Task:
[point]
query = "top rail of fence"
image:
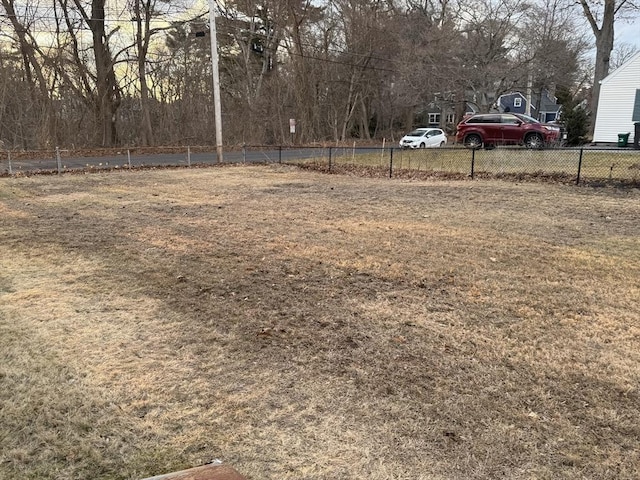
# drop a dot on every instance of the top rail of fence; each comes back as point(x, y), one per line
point(592, 162)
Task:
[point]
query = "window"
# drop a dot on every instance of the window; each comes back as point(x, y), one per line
point(635, 117)
point(434, 118)
point(517, 102)
point(451, 117)
point(484, 119)
point(510, 119)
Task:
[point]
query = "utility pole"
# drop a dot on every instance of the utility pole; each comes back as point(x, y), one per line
point(216, 79)
point(529, 97)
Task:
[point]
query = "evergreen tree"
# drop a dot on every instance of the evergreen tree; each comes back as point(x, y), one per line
point(574, 117)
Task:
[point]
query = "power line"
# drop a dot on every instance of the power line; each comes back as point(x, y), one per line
point(328, 49)
point(107, 20)
point(229, 30)
point(339, 62)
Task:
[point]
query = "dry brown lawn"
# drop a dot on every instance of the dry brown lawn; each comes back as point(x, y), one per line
point(305, 326)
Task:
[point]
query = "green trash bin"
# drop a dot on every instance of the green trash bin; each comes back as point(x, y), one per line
point(623, 139)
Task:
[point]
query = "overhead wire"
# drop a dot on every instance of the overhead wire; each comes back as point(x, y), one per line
point(230, 30)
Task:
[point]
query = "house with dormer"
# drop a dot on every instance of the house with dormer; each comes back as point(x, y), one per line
point(443, 115)
point(544, 106)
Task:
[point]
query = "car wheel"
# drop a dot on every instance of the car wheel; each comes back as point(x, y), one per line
point(473, 141)
point(442, 144)
point(534, 141)
point(422, 145)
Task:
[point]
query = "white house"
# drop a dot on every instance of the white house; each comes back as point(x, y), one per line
point(619, 104)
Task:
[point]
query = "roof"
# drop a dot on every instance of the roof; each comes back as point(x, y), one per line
point(628, 64)
point(548, 103)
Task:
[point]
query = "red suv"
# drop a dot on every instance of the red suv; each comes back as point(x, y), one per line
point(505, 129)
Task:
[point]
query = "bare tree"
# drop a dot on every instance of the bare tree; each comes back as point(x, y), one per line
point(108, 95)
point(16, 103)
point(33, 68)
point(602, 16)
point(341, 68)
point(490, 50)
point(142, 17)
point(368, 35)
point(144, 12)
point(554, 45)
point(250, 35)
point(620, 54)
point(181, 85)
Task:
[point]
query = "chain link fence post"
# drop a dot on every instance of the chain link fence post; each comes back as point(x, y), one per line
point(58, 160)
point(390, 162)
point(330, 148)
point(473, 162)
point(579, 166)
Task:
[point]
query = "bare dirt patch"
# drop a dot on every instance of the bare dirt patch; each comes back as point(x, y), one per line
point(299, 325)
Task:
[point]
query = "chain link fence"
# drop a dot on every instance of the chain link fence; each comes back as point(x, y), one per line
point(579, 165)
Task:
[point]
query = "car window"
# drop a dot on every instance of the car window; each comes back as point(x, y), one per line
point(485, 119)
point(416, 133)
point(527, 118)
point(510, 119)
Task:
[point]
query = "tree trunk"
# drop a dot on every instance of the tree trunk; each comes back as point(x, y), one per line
point(604, 45)
point(108, 93)
point(366, 134)
point(349, 107)
point(39, 91)
point(143, 36)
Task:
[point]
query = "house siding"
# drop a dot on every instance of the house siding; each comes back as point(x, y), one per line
point(507, 103)
point(548, 116)
point(617, 98)
point(544, 108)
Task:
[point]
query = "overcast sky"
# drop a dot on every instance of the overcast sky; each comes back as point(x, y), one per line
point(628, 32)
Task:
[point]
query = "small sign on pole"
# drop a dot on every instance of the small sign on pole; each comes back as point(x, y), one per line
point(292, 128)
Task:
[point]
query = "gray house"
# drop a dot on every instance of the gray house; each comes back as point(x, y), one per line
point(544, 106)
point(438, 115)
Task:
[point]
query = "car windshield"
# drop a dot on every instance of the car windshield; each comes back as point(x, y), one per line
point(527, 118)
point(416, 133)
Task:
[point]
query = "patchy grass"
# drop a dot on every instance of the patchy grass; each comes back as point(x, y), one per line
point(620, 165)
point(299, 325)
